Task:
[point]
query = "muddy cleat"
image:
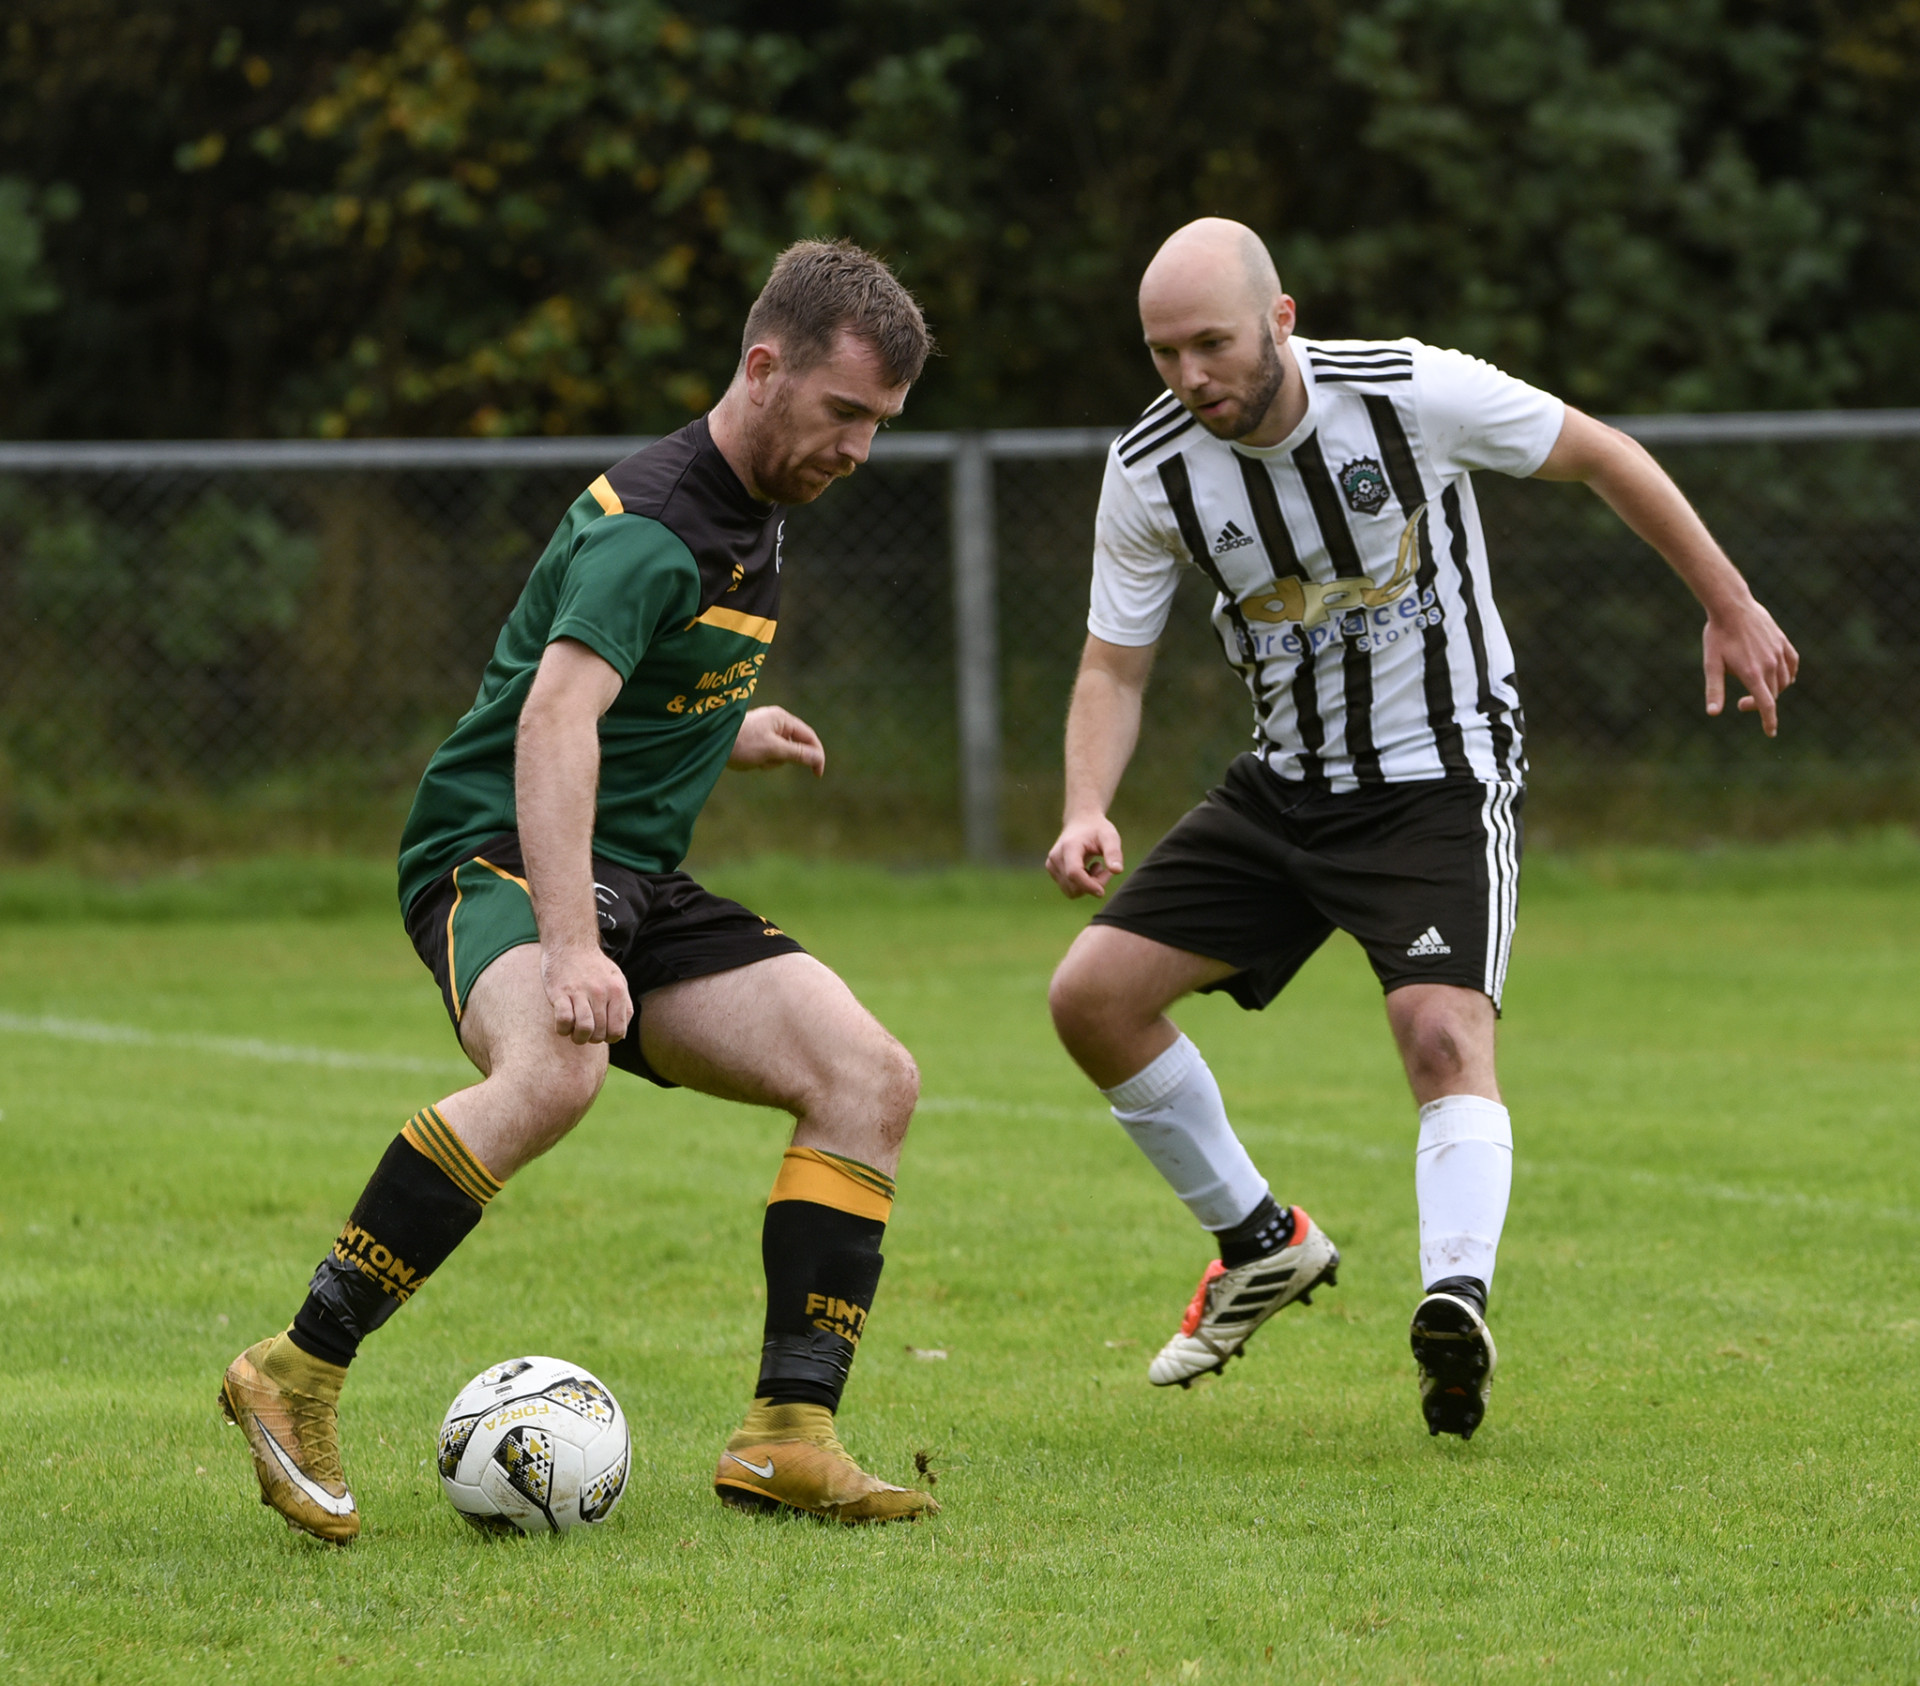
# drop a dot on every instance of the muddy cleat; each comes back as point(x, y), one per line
point(786, 1457)
point(1230, 1304)
point(285, 1401)
point(1454, 1348)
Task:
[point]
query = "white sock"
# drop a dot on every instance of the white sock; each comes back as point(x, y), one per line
point(1174, 1113)
point(1462, 1174)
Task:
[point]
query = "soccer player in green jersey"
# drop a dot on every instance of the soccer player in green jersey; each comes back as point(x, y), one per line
point(539, 878)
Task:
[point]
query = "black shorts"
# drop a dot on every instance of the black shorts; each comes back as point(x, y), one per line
point(1424, 876)
point(657, 927)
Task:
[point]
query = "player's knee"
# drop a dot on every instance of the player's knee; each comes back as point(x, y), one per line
point(1080, 1006)
point(881, 1082)
point(1435, 1050)
point(896, 1088)
point(558, 1097)
point(581, 1089)
point(876, 1081)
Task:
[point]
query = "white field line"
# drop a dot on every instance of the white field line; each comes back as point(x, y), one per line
point(232, 1047)
point(1090, 1114)
point(1668, 1182)
point(341, 1059)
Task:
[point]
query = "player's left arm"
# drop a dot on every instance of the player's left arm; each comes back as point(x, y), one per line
point(1740, 638)
point(771, 737)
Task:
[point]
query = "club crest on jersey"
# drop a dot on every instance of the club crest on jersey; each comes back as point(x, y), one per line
point(1365, 483)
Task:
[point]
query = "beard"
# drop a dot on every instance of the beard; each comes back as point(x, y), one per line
point(1249, 411)
point(776, 476)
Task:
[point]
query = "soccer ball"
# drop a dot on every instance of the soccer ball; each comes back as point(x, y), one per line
point(534, 1446)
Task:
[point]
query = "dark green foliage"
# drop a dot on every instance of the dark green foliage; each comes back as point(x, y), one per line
point(151, 647)
point(400, 216)
point(25, 289)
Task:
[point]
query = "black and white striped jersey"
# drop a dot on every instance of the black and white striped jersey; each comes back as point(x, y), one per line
point(1350, 569)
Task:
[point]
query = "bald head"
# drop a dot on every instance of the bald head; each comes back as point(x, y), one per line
point(1211, 267)
point(1216, 323)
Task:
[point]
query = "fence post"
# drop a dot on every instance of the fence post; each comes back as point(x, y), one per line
point(976, 640)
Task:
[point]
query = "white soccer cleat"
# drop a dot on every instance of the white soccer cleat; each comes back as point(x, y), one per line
point(1230, 1304)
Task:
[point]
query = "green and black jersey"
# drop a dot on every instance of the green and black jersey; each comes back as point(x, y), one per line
point(670, 571)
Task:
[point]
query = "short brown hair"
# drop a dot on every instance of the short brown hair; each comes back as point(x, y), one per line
point(819, 288)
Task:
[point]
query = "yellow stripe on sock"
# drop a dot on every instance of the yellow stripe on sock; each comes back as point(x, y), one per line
point(826, 1179)
point(430, 1134)
point(878, 1181)
point(420, 1137)
point(423, 1139)
point(480, 1175)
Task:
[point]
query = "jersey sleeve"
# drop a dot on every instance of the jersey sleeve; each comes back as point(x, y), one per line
point(629, 580)
point(1475, 416)
point(1136, 566)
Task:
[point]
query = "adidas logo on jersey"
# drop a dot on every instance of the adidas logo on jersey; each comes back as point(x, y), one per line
point(1231, 538)
point(1428, 944)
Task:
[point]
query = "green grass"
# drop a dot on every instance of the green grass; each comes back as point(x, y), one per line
point(1700, 1464)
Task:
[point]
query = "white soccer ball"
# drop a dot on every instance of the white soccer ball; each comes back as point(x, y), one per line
point(534, 1446)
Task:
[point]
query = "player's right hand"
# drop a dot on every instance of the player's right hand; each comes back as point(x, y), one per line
point(1747, 642)
point(588, 993)
point(1087, 857)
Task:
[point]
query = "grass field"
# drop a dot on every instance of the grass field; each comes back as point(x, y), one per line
point(1700, 1464)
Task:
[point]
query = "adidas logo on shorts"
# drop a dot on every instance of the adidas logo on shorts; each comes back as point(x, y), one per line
point(1230, 538)
point(1427, 944)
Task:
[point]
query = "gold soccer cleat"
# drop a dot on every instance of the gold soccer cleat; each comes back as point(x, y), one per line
point(787, 1457)
point(285, 1402)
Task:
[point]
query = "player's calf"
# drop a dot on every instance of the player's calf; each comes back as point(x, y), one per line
point(1463, 1171)
point(821, 1247)
point(424, 1198)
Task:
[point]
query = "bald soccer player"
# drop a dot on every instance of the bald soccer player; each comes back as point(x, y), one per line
point(1323, 487)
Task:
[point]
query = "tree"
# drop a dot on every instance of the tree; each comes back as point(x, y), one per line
point(550, 217)
point(174, 315)
point(536, 215)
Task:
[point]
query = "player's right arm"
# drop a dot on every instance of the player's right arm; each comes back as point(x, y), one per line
point(1740, 636)
point(1103, 725)
point(556, 779)
point(628, 581)
point(1136, 562)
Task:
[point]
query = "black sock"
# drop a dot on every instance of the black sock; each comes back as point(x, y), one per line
point(1266, 1229)
point(1468, 1288)
point(823, 1265)
point(426, 1195)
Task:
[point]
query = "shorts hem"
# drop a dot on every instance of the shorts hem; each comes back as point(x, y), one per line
point(480, 971)
point(657, 928)
point(1144, 928)
point(1477, 985)
point(775, 948)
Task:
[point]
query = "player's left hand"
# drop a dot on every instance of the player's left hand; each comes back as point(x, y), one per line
point(1748, 643)
point(771, 737)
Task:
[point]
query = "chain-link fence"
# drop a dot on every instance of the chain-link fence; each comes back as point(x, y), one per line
point(218, 647)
